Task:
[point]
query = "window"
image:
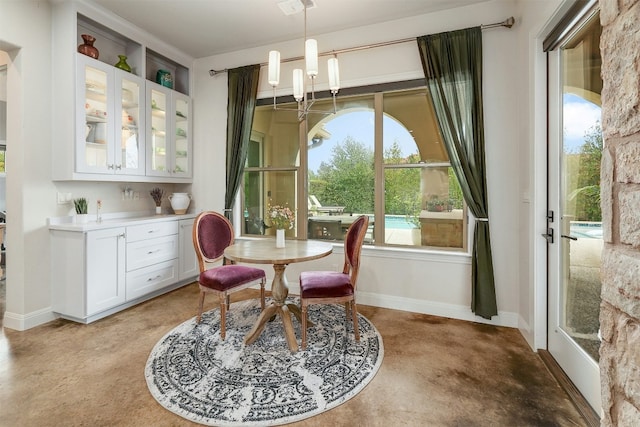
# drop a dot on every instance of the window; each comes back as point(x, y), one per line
point(381, 155)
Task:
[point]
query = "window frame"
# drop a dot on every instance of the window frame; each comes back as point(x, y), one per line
point(377, 91)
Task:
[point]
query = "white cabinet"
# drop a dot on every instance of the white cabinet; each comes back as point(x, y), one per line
point(99, 128)
point(110, 124)
point(188, 262)
point(152, 257)
point(104, 269)
point(169, 132)
point(89, 271)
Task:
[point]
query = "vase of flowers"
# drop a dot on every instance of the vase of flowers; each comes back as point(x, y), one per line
point(156, 195)
point(282, 218)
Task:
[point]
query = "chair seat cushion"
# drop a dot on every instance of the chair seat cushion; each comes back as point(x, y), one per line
point(325, 284)
point(227, 277)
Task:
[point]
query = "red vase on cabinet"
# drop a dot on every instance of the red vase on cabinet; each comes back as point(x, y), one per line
point(87, 47)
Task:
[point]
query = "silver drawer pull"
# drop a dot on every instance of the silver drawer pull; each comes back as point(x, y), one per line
point(152, 231)
point(153, 252)
point(151, 279)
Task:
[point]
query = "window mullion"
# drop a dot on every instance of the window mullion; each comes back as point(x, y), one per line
point(302, 182)
point(378, 209)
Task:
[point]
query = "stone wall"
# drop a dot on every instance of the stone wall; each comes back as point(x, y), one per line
point(620, 195)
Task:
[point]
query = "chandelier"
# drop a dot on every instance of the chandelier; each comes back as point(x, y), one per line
point(300, 93)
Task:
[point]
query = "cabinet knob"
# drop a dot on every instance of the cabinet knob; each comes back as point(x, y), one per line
point(109, 166)
point(118, 167)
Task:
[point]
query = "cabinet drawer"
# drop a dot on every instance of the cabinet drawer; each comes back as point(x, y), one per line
point(151, 251)
point(146, 280)
point(148, 231)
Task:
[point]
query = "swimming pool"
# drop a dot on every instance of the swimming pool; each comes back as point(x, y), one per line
point(399, 222)
point(586, 230)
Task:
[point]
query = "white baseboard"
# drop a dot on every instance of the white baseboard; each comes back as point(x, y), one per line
point(453, 311)
point(22, 322)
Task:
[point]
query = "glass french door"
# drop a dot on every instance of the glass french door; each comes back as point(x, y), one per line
point(574, 256)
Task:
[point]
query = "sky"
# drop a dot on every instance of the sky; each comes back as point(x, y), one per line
point(359, 125)
point(579, 116)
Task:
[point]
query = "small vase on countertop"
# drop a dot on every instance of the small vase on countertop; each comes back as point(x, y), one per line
point(82, 218)
point(180, 202)
point(280, 238)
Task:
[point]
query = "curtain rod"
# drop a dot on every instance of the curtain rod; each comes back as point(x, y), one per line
point(506, 23)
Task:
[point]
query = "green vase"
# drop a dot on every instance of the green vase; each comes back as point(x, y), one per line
point(122, 64)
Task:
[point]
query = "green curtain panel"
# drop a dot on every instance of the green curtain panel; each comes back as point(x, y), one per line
point(452, 64)
point(241, 104)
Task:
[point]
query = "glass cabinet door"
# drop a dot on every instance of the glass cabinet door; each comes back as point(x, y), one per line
point(181, 154)
point(129, 144)
point(158, 163)
point(94, 134)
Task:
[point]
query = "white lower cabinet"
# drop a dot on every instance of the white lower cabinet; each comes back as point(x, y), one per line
point(145, 280)
point(89, 271)
point(105, 269)
point(152, 257)
point(102, 271)
point(188, 261)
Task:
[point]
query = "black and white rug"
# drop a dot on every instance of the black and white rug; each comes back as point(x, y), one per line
point(226, 383)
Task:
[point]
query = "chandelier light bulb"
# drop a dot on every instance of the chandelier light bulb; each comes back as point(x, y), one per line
point(311, 57)
point(334, 75)
point(298, 84)
point(274, 68)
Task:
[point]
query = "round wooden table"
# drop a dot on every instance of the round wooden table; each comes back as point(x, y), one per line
point(265, 252)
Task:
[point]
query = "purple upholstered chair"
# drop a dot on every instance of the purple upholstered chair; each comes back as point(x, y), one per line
point(212, 233)
point(330, 287)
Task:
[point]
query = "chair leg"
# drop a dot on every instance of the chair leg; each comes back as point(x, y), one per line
point(223, 315)
point(262, 294)
point(354, 314)
point(200, 307)
point(304, 326)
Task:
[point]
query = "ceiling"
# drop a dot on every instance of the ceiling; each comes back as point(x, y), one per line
point(203, 28)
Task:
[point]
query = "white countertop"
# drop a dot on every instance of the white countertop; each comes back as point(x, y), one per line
point(111, 220)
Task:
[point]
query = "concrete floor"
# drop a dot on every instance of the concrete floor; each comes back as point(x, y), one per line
point(436, 372)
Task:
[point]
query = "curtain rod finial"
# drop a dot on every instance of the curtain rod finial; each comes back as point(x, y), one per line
point(214, 73)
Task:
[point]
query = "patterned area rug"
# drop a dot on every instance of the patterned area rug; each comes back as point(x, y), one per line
point(225, 383)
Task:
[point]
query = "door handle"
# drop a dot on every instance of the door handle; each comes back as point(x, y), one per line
point(568, 237)
point(548, 235)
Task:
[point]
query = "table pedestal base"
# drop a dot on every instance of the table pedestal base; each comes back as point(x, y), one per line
point(284, 311)
point(279, 292)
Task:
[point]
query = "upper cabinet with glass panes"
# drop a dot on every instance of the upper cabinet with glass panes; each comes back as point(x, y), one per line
point(169, 136)
point(111, 128)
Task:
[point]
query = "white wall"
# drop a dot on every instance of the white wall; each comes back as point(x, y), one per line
point(25, 32)
point(404, 279)
point(4, 59)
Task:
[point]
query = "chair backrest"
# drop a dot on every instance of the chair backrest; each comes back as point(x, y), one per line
point(353, 242)
point(212, 233)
